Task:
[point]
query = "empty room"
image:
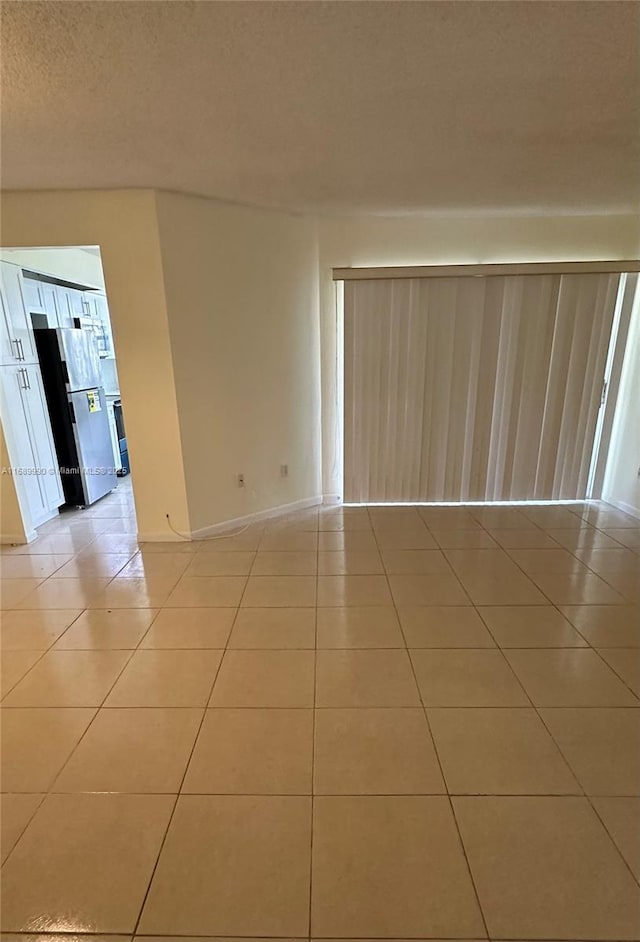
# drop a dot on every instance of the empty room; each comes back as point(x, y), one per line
point(320, 490)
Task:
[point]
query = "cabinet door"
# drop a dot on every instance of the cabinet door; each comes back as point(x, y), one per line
point(65, 317)
point(78, 306)
point(9, 348)
point(32, 293)
point(21, 457)
point(35, 407)
point(100, 313)
point(50, 304)
point(26, 441)
point(20, 331)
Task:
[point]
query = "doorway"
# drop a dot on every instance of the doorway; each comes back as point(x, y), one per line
point(63, 420)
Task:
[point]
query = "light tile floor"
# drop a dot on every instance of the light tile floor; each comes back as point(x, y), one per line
point(394, 723)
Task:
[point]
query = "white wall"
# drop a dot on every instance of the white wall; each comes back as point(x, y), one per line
point(621, 485)
point(439, 239)
point(219, 313)
point(68, 264)
point(242, 298)
point(124, 225)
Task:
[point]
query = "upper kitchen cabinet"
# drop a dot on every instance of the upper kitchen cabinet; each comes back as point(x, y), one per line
point(17, 340)
point(66, 306)
point(50, 299)
point(78, 305)
point(50, 303)
point(32, 294)
point(98, 314)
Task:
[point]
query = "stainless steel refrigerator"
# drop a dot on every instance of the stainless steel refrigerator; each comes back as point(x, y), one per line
point(72, 380)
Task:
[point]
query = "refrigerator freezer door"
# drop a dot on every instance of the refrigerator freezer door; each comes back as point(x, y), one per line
point(93, 442)
point(78, 350)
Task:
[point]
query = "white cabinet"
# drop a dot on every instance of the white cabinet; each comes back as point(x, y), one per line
point(32, 294)
point(30, 441)
point(50, 304)
point(78, 306)
point(17, 340)
point(39, 425)
point(63, 306)
point(9, 346)
point(98, 313)
point(44, 297)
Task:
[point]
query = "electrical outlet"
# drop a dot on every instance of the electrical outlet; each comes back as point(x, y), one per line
point(241, 480)
point(284, 470)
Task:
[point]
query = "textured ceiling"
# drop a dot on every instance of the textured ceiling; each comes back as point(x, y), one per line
point(377, 107)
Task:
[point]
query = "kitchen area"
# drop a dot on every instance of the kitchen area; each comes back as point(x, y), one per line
point(64, 439)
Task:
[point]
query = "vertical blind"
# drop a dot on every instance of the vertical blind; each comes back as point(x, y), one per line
point(466, 389)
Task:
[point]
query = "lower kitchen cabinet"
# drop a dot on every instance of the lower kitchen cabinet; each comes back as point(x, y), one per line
point(30, 441)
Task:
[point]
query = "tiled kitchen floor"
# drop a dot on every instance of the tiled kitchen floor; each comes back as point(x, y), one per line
point(387, 723)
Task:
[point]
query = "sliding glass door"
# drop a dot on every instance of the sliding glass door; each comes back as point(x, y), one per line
point(474, 389)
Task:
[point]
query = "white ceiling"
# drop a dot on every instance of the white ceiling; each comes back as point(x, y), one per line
point(383, 107)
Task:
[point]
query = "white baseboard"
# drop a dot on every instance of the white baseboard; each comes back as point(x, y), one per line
point(237, 522)
point(167, 536)
point(624, 506)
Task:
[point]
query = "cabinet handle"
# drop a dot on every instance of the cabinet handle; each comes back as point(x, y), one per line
point(17, 343)
point(26, 379)
point(23, 384)
point(21, 348)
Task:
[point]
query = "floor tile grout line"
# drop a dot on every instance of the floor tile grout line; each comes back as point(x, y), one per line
point(134, 930)
point(561, 752)
point(556, 606)
point(610, 835)
point(307, 794)
point(182, 781)
point(611, 668)
point(592, 527)
point(226, 648)
point(504, 657)
point(432, 706)
point(100, 706)
point(313, 739)
point(361, 647)
point(290, 938)
point(96, 710)
point(43, 796)
point(438, 760)
point(470, 604)
point(536, 708)
point(5, 693)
